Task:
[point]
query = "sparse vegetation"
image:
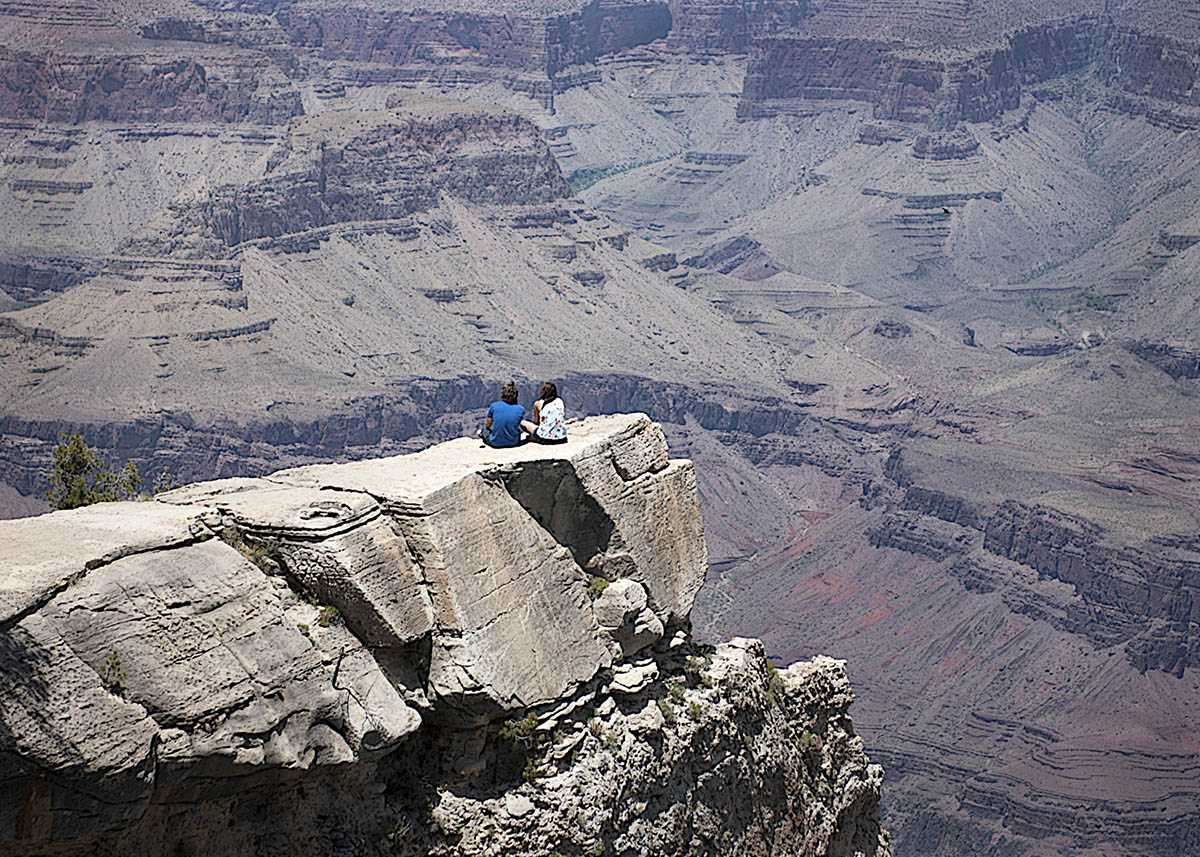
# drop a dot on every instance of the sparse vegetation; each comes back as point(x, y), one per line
point(327, 616)
point(519, 733)
point(530, 772)
point(80, 477)
point(164, 481)
point(523, 735)
point(667, 709)
point(596, 585)
point(1095, 301)
point(774, 683)
point(112, 674)
point(258, 555)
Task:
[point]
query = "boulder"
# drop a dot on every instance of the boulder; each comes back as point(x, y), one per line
point(622, 612)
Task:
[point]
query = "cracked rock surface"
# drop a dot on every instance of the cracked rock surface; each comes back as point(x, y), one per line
point(460, 651)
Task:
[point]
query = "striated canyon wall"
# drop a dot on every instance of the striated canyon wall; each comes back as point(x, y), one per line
point(456, 652)
point(911, 85)
point(544, 44)
point(144, 86)
point(703, 27)
point(384, 166)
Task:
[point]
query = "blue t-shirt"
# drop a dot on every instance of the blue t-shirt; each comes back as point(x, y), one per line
point(506, 423)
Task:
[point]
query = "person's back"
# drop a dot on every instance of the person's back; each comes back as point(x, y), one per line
point(552, 420)
point(549, 417)
point(506, 423)
point(503, 425)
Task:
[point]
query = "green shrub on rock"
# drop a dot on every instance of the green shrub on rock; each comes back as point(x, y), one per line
point(80, 477)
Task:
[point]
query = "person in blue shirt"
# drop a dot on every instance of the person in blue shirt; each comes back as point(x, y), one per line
point(503, 426)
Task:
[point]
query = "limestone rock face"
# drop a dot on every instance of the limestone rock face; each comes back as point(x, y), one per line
point(227, 665)
point(669, 770)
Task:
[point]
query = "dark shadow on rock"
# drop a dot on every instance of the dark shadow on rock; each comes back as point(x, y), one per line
point(553, 495)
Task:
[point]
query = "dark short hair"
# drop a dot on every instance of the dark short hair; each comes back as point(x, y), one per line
point(509, 393)
point(549, 392)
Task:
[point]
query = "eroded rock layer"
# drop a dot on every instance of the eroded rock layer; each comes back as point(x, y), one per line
point(380, 652)
point(945, 87)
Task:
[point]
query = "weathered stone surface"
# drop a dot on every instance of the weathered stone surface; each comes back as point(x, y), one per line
point(38, 564)
point(155, 668)
point(621, 611)
point(176, 663)
point(335, 544)
point(655, 773)
point(634, 677)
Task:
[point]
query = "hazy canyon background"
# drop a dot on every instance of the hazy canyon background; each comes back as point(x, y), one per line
point(914, 283)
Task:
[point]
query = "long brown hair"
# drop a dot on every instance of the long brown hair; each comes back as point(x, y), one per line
point(549, 392)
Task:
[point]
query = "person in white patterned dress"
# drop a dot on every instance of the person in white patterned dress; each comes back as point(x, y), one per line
point(549, 424)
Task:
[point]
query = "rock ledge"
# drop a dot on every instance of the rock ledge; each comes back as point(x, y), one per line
point(398, 645)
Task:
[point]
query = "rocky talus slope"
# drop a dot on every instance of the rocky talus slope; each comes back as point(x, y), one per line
point(462, 651)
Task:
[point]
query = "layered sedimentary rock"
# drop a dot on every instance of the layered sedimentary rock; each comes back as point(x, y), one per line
point(144, 85)
point(340, 646)
point(727, 26)
point(545, 44)
point(380, 167)
point(914, 85)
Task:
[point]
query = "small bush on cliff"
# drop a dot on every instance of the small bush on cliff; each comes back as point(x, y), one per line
point(774, 683)
point(80, 477)
point(596, 585)
point(521, 733)
point(112, 674)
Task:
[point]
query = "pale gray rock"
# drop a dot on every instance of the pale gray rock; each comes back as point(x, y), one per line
point(622, 612)
point(44, 555)
point(633, 678)
point(649, 720)
point(173, 664)
point(517, 805)
point(399, 656)
point(335, 544)
point(516, 533)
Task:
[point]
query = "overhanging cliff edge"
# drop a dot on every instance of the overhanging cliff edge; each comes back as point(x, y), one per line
point(360, 631)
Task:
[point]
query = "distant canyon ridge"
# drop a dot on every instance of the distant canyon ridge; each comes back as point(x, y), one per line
point(912, 281)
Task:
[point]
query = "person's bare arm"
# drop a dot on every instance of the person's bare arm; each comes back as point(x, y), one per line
point(537, 412)
point(488, 424)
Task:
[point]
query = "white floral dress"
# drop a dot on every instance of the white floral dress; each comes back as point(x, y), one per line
point(552, 421)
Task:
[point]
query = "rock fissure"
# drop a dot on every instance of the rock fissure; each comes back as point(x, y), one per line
point(45, 596)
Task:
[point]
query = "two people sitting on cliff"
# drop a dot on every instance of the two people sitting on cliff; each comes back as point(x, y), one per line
point(506, 425)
